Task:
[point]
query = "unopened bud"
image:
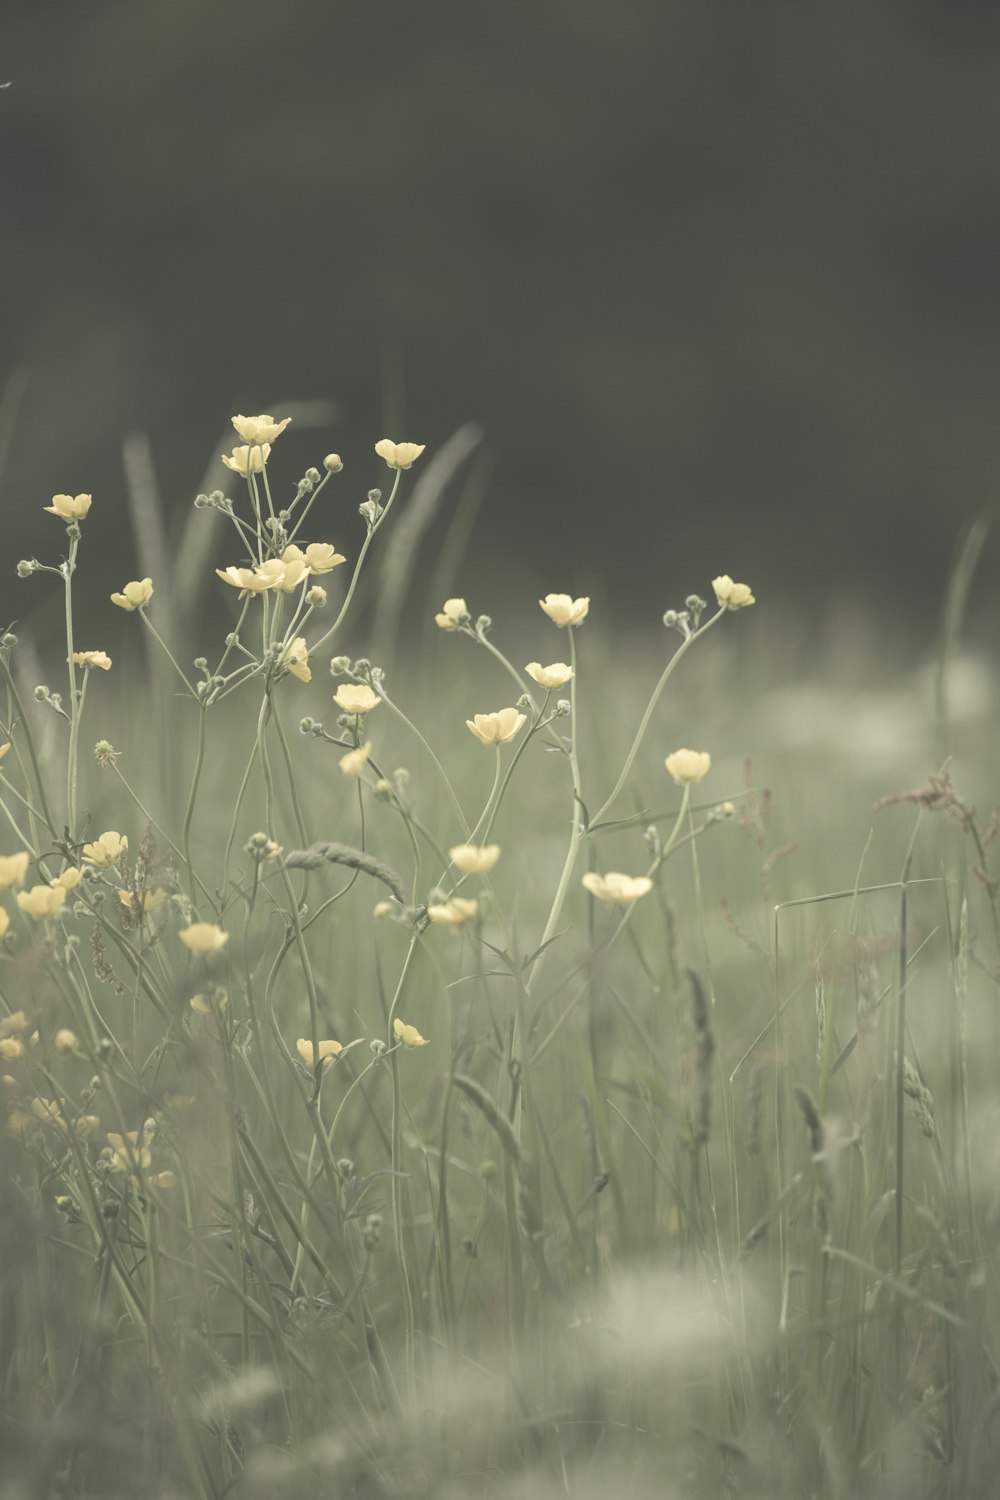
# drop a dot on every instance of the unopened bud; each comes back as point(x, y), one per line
point(333, 463)
point(316, 596)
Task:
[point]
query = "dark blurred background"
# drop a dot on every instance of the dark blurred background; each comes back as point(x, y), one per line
point(720, 282)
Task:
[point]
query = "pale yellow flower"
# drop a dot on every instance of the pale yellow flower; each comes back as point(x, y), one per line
point(69, 507)
point(93, 659)
point(41, 901)
point(13, 868)
point(498, 728)
point(297, 660)
point(293, 571)
point(150, 900)
point(319, 557)
point(48, 1111)
point(329, 1051)
point(85, 1125)
point(356, 698)
point(65, 1040)
point(4, 920)
point(131, 1151)
point(134, 594)
point(408, 1035)
point(355, 760)
point(453, 913)
point(11, 1048)
point(259, 430)
point(474, 859)
point(688, 767)
point(204, 937)
point(732, 595)
point(247, 460)
point(202, 1004)
point(616, 888)
point(248, 579)
point(16, 1021)
point(399, 455)
point(107, 850)
point(69, 879)
point(563, 610)
point(451, 613)
point(556, 675)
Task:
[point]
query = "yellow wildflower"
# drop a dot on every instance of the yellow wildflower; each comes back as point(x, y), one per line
point(355, 760)
point(453, 913)
point(688, 767)
point(11, 1048)
point(399, 455)
point(69, 507)
point(41, 901)
point(65, 1040)
point(48, 1112)
point(498, 728)
point(563, 610)
point(13, 868)
point(202, 1004)
point(148, 900)
point(297, 659)
point(408, 1035)
point(554, 676)
point(247, 460)
point(259, 430)
point(329, 1051)
point(16, 1021)
point(732, 595)
point(618, 889)
point(69, 879)
point(204, 937)
point(107, 850)
point(131, 1152)
point(474, 860)
point(134, 594)
point(356, 698)
point(319, 557)
point(93, 659)
point(451, 614)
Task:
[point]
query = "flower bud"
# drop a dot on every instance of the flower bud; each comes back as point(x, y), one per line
point(382, 789)
point(333, 463)
point(316, 596)
point(313, 475)
point(339, 664)
point(41, 694)
point(25, 568)
point(563, 708)
point(670, 618)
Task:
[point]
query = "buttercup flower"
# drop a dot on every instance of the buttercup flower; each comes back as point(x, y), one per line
point(259, 430)
point(202, 1004)
point(355, 760)
point(13, 868)
point(65, 1040)
point(399, 455)
point(131, 1151)
point(297, 660)
point(356, 698)
point(329, 1051)
point(618, 889)
point(474, 860)
point(204, 937)
point(688, 767)
point(11, 1048)
point(133, 595)
point(41, 901)
point(247, 460)
point(93, 659)
point(107, 850)
point(408, 1035)
point(496, 729)
point(319, 557)
point(451, 614)
point(733, 595)
point(69, 507)
point(69, 879)
point(253, 580)
point(453, 913)
point(555, 676)
point(149, 900)
point(562, 610)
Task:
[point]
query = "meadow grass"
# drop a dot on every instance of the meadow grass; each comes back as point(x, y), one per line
point(332, 1168)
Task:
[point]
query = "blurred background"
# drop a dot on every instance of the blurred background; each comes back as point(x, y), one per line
point(718, 284)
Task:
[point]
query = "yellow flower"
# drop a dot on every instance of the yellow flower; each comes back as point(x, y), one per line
point(202, 1004)
point(13, 868)
point(293, 571)
point(134, 595)
point(329, 1051)
point(474, 860)
point(16, 1021)
point(399, 455)
point(131, 1152)
point(451, 614)
point(733, 595)
point(453, 913)
point(319, 557)
point(69, 507)
point(41, 900)
point(204, 937)
point(355, 760)
point(356, 698)
point(618, 889)
point(164, 1179)
point(11, 1048)
point(247, 579)
point(496, 729)
point(247, 460)
point(688, 767)
point(69, 879)
point(408, 1035)
point(297, 660)
point(107, 850)
point(150, 900)
point(563, 610)
point(93, 659)
point(48, 1112)
point(556, 675)
point(65, 1040)
point(4, 920)
point(259, 429)
point(85, 1125)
